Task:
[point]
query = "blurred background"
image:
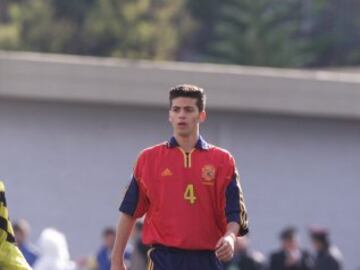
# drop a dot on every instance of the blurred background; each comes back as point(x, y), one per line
point(84, 87)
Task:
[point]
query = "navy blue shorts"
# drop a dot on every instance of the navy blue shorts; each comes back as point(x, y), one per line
point(168, 258)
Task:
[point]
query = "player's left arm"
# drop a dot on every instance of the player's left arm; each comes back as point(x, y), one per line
point(236, 216)
point(235, 208)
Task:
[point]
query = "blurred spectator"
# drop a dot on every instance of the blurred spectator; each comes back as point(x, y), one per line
point(244, 258)
point(290, 256)
point(54, 253)
point(22, 231)
point(327, 257)
point(104, 254)
point(139, 254)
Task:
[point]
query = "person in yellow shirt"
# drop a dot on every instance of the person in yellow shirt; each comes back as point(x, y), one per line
point(11, 257)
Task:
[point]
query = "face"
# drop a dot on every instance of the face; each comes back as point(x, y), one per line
point(185, 117)
point(290, 244)
point(20, 236)
point(109, 240)
point(316, 245)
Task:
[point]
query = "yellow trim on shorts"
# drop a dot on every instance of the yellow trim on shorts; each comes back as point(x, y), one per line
point(150, 263)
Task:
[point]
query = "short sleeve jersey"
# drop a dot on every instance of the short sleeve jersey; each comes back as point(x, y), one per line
point(188, 198)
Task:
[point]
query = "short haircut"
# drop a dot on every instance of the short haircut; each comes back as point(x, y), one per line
point(321, 235)
point(191, 91)
point(288, 233)
point(108, 231)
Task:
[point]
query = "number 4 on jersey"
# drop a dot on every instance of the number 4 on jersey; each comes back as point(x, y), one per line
point(189, 194)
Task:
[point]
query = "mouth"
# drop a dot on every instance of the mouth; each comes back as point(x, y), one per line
point(182, 124)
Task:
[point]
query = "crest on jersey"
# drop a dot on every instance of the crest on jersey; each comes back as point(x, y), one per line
point(208, 173)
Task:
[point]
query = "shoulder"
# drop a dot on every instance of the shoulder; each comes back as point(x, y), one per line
point(276, 254)
point(31, 249)
point(335, 253)
point(222, 156)
point(305, 253)
point(154, 149)
point(102, 252)
point(257, 257)
point(221, 152)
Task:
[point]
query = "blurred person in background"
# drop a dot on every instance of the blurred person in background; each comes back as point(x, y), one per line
point(245, 258)
point(104, 254)
point(22, 232)
point(54, 252)
point(11, 257)
point(139, 254)
point(328, 257)
point(290, 256)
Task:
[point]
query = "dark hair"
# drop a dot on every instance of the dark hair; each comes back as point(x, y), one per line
point(191, 91)
point(288, 233)
point(108, 231)
point(321, 235)
point(16, 227)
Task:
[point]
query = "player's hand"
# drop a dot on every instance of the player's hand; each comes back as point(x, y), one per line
point(224, 249)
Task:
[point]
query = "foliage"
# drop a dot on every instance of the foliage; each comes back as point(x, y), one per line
point(260, 33)
point(282, 33)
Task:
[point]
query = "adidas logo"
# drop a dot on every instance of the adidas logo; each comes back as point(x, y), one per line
point(166, 172)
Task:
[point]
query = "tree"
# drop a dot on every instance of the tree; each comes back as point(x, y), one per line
point(206, 14)
point(334, 32)
point(137, 28)
point(262, 33)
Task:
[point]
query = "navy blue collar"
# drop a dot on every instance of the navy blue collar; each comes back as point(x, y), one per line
point(201, 144)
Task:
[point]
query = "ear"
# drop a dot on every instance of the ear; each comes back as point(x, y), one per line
point(202, 116)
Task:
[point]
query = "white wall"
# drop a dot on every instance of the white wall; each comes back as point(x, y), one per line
point(66, 165)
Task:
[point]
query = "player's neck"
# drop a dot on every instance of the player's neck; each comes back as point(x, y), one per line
point(187, 143)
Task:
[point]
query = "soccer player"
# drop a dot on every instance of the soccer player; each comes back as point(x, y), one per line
point(190, 193)
point(10, 255)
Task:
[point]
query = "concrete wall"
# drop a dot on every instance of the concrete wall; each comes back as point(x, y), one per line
point(66, 165)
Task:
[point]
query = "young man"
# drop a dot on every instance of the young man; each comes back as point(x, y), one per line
point(103, 255)
point(290, 256)
point(190, 193)
point(22, 231)
point(328, 257)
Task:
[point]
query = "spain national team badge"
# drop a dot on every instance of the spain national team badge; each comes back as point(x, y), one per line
point(208, 174)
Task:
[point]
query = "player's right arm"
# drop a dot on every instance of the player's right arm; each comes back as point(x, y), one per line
point(133, 206)
point(124, 228)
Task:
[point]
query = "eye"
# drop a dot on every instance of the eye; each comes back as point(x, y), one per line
point(175, 109)
point(189, 109)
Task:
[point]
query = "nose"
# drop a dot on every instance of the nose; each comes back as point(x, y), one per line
point(182, 114)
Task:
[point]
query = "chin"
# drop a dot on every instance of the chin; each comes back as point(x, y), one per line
point(183, 133)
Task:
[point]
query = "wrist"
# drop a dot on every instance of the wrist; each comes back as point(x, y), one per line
point(117, 260)
point(231, 238)
point(231, 234)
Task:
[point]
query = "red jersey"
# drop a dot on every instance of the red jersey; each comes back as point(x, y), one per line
point(188, 198)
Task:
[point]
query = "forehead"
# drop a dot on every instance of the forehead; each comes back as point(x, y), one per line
point(184, 102)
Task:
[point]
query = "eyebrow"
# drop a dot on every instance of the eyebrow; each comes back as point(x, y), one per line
point(185, 107)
